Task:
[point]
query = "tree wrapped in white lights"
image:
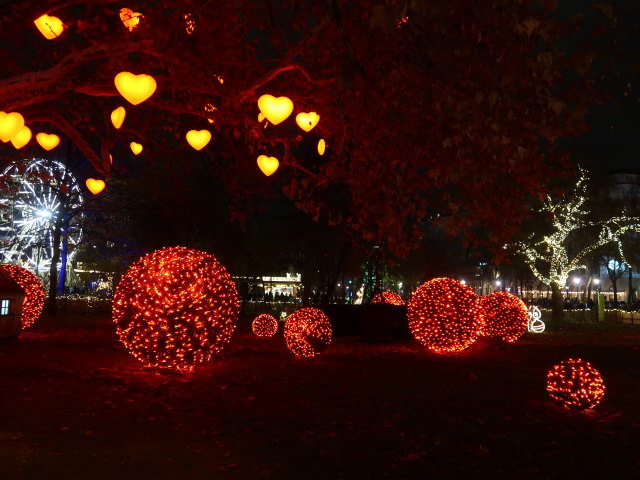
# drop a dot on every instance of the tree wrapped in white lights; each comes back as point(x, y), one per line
point(573, 236)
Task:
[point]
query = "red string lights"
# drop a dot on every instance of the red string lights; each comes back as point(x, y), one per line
point(445, 316)
point(264, 325)
point(575, 384)
point(505, 315)
point(390, 298)
point(307, 332)
point(175, 307)
point(33, 289)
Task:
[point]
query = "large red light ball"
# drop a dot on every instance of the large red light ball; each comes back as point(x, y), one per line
point(307, 332)
point(265, 325)
point(505, 315)
point(390, 298)
point(445, 316)
point(575, 384)
point(33, 289)
point(175, 307)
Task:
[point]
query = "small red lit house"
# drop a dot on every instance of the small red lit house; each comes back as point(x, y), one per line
point(11, 299)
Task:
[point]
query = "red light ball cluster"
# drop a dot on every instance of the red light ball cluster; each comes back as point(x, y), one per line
point(505, 315)
point(390, 298)
point(175, 307)
point(33, 289)
point(445, 316)
point(575, 384)
point(265, 325)
point(307, 332)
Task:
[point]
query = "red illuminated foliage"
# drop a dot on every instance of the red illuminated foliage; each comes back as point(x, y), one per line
point(445, 316)
point(433, 111)
point(575, 384)
point(390, 298)
point(307, 332)
point(34, 290)
point(505, 315)
point(175, 307)
point(264, 325)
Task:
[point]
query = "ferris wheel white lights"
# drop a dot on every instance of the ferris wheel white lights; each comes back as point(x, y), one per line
point(35, 194)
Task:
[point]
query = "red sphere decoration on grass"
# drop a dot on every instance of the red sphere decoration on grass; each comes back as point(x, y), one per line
point(445, 316)
point(265, 325)
point(575, 384)
point(390, 298)
point(307, 332)
point(33, 289)
point(175, 307)
point(505, 315)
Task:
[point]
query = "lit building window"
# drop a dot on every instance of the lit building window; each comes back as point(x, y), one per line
point(4, 307)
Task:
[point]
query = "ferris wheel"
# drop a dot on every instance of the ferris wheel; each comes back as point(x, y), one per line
point(34, 195)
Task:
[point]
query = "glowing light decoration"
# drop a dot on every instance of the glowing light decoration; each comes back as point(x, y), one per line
point(265, 325)
point(21, 138)
point(118, 116)
point(307, 121)
point(10, 124)
point(276, 110)
point(135, 88)
point(95, 186)
point(49, 26)
point(535, 324)
point(33, 289)
point(307, 332)
point(445, 316)
point(551, 258)
point(189, 23)
point(575, 384)
point(505, 316)
point(31, 210)
point(261, 117)
point(48, 141)
point(390, 298)
point(136, 148)
point(322, 146)
point(198, 139)
point(268, 165)
point(176, 308)
point(129, 18)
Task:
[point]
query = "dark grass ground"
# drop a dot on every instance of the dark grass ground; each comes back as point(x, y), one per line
point(75, 405)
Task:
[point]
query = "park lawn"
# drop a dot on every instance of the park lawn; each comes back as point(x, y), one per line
point(75, 405)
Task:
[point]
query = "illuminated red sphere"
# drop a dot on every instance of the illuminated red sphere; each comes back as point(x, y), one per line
point(307, 332)
point(33, 289)
point(505, 316)
point(575, 384)
point(265, 325)
point(445, 316)
point(390, 298)
point(175, 307)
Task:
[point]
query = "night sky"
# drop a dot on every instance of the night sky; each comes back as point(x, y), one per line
point(612, 141)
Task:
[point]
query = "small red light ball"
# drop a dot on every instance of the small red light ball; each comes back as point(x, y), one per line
point(390, 298)
point(33, 289)
point(505, 315)
point(265, 325)
point(307, 332)
point(445, 316)
point(175, 307)
point(575, 384)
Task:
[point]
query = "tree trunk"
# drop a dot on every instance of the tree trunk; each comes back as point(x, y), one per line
point(62, 277)
point(336, 276)
point(53, 271)
point(630, 296)
point(614, 287)
point(557, 313)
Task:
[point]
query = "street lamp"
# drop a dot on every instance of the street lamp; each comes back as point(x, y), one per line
point(576, 282)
